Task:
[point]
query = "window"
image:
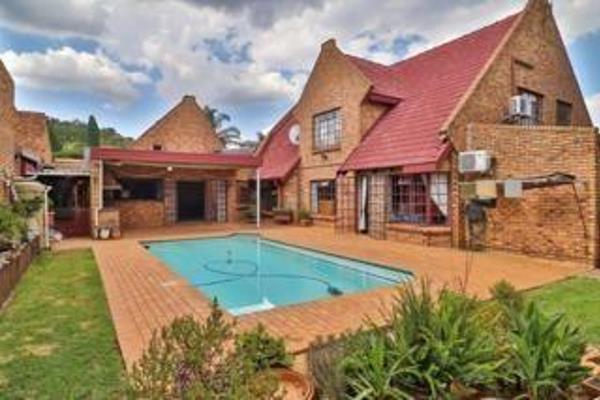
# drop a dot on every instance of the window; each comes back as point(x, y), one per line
point(564, 113)
point(538, 102)
point(327, 130)
point(157, 147)
point(322, 195)
point(419, 198)
point(142, 189)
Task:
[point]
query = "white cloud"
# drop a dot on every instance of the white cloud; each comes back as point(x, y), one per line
point(67, 69)
point(55, 17)
point(593, 104)
point(168, 36)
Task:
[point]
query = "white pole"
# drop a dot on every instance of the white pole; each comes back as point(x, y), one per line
point(46, 219)
point(258, 198)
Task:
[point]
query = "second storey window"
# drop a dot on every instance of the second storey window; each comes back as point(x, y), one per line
point(327, 130)
point(322, 194)
point(564, 113)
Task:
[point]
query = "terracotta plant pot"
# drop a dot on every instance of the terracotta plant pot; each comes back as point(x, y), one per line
point(296, 385)
point(306, 222)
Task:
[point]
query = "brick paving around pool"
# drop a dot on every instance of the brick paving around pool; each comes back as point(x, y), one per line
point(144, 294)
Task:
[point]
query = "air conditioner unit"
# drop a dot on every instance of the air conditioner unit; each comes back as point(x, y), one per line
point(522, 106)
point(474, 161)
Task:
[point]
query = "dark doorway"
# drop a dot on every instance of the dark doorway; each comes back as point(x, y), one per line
point(190, 201)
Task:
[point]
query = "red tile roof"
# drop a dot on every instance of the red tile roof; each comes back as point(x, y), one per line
point(431, 86)
point(174, 158)
point(279, 155)
point(385, 83)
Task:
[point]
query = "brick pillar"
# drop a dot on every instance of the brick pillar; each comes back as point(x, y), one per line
point(345, 219)
point(170, 193)
point(232, 200)
point(94, 193)
point(378, 190)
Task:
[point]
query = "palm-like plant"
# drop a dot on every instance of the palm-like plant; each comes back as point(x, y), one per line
point(373, 368)
point(545, 353)
point(230, 135)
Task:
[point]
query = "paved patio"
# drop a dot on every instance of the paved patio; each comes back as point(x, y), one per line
point(144, 294)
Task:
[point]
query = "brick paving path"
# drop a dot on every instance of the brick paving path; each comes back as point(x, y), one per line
point(144, 294)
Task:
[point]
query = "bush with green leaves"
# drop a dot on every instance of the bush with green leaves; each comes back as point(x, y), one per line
point(507, 295)
point(449, 345)
point(200, 361)
point(13, 227)
point(263, 350)
point(304, 214)
point(545, 355)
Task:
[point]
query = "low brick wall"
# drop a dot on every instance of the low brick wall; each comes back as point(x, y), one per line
point(141, 213)
point(12, 271)
point(419, 235)
point(558, 222)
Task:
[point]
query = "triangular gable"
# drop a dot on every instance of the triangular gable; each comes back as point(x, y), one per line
point(185, 128)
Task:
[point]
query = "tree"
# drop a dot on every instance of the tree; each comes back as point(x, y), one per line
point(230, 135)
point(93, 132)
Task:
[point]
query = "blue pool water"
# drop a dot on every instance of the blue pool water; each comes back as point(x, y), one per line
point(247, 273)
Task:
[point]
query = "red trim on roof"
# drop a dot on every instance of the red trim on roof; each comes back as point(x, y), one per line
point(170, 157)
point(279, 156)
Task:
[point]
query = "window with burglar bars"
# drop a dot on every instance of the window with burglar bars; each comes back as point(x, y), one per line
point(322, 195)
point(327, 130)
point(419, 199)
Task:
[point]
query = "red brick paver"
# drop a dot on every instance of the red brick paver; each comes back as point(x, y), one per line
point(144, 294)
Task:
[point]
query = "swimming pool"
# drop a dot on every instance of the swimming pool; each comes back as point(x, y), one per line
point(247, 273)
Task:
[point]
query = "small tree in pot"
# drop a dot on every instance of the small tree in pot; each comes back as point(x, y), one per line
point(304, 217)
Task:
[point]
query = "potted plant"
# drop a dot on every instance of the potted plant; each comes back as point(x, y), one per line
point(304, 217)
point(283, 215)
point(267, 353)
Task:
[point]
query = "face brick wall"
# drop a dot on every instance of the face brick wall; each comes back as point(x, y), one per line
point(536, 41)
point(184, 128)
point(33, 134)
point(551, 222)
point(149, 213)
point(7, 121)
point(334, 83)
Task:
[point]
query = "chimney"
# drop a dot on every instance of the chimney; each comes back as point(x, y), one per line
point(329, 44)
point(189, 97)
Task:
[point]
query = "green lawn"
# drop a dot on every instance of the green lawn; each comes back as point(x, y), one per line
point(578, 298)
point(56, 336)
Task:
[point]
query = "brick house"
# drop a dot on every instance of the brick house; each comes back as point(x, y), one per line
point(24, 136)
point(176, 171)
point(374, 149)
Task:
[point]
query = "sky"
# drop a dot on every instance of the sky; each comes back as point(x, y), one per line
point(129, 61)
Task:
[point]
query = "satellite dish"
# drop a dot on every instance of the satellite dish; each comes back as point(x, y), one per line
point(294, 134)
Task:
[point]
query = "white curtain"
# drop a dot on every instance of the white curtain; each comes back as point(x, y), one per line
point(362, 221)
point(438, 190)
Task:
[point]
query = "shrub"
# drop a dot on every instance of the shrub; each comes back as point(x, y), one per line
point(263, 350)
point(304, 214)
point(448, 340)
point(507, 295)
point(545, 354)
point(374, 368)
point(192, 360)
point(324, 359)
point(27, 208)
point(13, 227)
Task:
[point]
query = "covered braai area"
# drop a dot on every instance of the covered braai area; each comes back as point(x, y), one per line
point(132, 189)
